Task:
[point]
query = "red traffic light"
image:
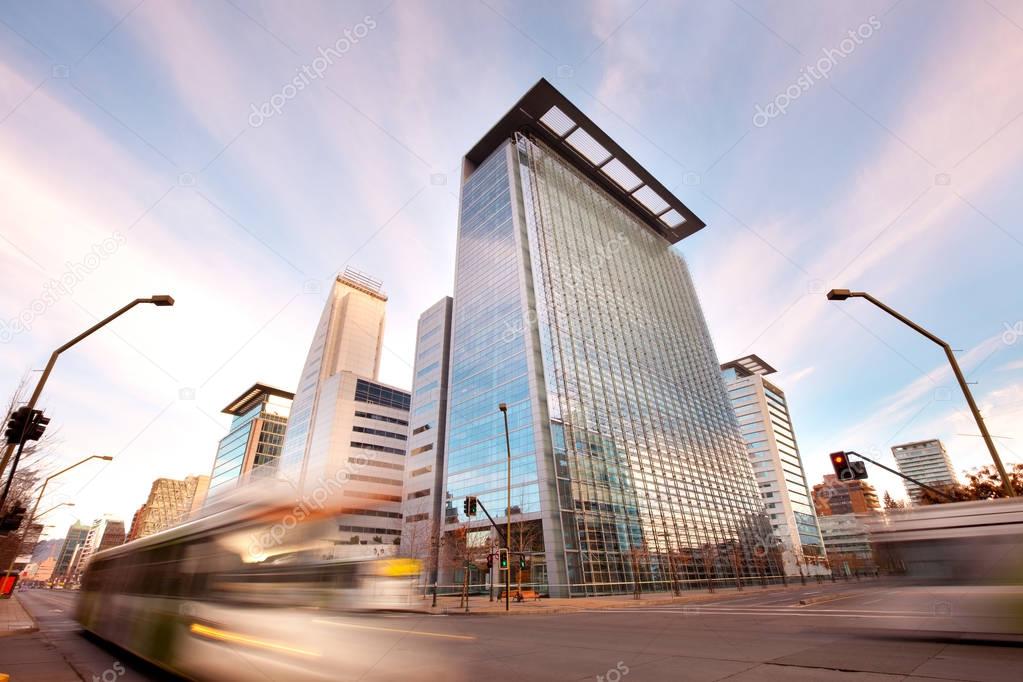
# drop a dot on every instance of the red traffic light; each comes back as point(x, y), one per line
point(838, 457)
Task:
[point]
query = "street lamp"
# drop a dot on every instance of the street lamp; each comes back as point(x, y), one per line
point(42, 491)
point(56, 506)
point(507, 512)
point(843, 294)
point(161, 300)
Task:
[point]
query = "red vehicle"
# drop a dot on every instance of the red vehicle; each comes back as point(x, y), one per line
point(8, 579)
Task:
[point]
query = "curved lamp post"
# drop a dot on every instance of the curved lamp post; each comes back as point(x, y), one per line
point(42, 491)
point(157, 300)
point(843, 294)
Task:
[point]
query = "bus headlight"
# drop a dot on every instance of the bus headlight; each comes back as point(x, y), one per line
point(399, 568)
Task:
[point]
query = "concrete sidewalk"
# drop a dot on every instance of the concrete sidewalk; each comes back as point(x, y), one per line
point(481, 605)
point(13, 618)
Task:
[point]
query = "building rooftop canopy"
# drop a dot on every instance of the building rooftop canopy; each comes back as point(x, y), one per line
point(546, 114)
point(749, 365)
point(243, 402)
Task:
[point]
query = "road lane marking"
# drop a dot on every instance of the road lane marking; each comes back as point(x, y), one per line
point(423, 633)
point(780, 614)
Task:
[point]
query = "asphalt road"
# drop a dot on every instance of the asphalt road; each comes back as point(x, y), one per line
point(865, 631)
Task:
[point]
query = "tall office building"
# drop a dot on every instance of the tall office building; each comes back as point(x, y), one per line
point(424, 466)
point(252, 447)
point(73, 541)
point(833, 497)
point(926, 461)
point(169, 503)
point(103, 534)
point(766, 426)
point(347, 431)
point(572, 307)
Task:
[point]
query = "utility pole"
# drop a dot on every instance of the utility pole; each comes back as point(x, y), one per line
point(507, 538)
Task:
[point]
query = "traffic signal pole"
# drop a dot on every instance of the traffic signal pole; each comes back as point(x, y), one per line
point(10, 477)
point(902, 475)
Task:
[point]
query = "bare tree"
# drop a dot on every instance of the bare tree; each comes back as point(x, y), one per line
point(709, 554)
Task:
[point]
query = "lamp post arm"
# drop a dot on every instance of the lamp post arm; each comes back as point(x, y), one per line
point(9, 449)
point(901, 318)
point(988, 441)
point(53, 356)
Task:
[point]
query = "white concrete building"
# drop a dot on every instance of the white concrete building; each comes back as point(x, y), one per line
point(424, 470)
point(766, 426)
point(347, 432)
point(928, 462)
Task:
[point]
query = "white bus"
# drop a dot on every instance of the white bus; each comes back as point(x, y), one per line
point(247, 586)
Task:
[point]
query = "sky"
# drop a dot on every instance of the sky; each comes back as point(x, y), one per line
point(238, 154)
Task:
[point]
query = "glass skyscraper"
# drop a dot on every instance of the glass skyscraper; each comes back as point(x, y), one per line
point(252, 447)
point(572, 307)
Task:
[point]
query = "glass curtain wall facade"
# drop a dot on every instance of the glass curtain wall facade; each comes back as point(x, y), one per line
point(628, 471)
point(75, 539)
point(489, 359)
point(252, 447)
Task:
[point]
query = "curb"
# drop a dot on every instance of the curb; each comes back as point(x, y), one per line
point(34, 627)
point(568, 608)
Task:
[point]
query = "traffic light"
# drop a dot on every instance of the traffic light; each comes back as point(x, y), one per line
point(469, 506)
point(11, 521)
point(490, 561)
point(503, 555)
point(846, 469)
point(522, 562)
point(16, 425)
point(31, 423)
point(37, 427)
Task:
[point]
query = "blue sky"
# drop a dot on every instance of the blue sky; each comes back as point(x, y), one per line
point(131, 163)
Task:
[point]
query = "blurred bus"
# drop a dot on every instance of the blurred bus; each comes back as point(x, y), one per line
point(240, 586)
point(963, 542)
